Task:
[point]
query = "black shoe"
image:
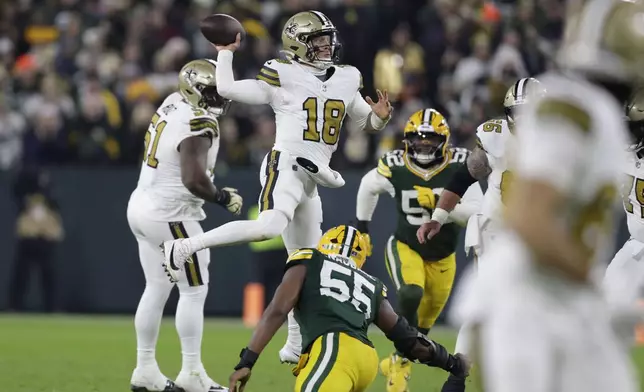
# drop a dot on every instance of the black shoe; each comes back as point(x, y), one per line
point(454, 384)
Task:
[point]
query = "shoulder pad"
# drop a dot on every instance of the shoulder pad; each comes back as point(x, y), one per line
point(556, 107)
point(269, 73)
point(200, 124)
point(301, 254)
point(351, 68)
point(388, 161)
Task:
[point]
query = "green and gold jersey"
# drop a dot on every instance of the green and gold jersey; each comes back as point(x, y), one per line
point(336, 296)
point(405, 177)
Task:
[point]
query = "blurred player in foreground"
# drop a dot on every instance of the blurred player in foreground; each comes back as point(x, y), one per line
point(181, 148)
point(311, 93)
point(335, 302)
point(496, 144)
point(624, 281)
point(540, 321)
point(422, 274)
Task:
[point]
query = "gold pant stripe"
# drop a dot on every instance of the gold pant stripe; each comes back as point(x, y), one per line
point(193, 272)
point(266, 198)
point(324, 363)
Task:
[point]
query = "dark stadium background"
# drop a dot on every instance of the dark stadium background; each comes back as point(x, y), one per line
point(80, 81)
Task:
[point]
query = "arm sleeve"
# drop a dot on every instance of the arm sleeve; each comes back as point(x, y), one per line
point(245, 91)
point(553, 146)
point(470, 204)
point(371, 186)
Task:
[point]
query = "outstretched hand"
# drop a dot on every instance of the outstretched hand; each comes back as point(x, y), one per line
point(383, 107)
point(232, 47)
point(240, 377)
point(427, 231)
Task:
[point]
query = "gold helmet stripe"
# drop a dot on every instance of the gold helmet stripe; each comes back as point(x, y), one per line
point(349, 238)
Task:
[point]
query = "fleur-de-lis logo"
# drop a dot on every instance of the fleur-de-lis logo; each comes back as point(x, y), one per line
point(190, 73)
point(291, 29)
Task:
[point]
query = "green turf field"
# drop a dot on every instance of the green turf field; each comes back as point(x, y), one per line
point(83, 354)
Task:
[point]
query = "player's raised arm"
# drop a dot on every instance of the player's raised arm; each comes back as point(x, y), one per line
point(372, 185)
point(283, 302)
point(247, 91)
point(370, 115)
point(416, 346)
point(548, 161)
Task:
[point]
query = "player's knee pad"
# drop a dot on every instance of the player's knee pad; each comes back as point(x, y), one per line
point(271, 223)
point(409, 297)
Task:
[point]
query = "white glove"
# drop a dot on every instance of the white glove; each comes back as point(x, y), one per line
point(236, 201)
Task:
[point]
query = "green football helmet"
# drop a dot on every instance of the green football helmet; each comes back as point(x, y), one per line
point(605, 39)
point(635, 118)
point(198, 86)
point(299, 38)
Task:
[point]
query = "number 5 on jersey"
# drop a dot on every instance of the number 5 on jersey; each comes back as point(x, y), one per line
point(150, 152)
point(332, 116)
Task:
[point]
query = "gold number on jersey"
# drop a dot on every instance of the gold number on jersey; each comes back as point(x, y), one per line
point(149, 153)
point(492, 126)
point(594, 218)
point(333, 112)
point(506, 182)
point(639, 194)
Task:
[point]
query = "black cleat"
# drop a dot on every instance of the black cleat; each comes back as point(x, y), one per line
point(169, 387)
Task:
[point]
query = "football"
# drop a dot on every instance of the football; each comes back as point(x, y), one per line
point(221, 29)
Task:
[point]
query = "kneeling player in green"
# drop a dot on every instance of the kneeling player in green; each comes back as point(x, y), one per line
point(335, 302)
point(422, 274)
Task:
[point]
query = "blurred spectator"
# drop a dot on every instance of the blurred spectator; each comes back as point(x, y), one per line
point(60, 58)
point(39, 229)
point(12, 128)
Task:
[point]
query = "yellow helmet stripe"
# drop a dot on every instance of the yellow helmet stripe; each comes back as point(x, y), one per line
point(349, 238)
point(427, 116)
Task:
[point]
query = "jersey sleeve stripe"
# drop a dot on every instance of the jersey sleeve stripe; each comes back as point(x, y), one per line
point(199, 124)
point(266, 197)
point(383, 169)
point(193, 272)
point(273, 82)
point(268, 71)
point(305, 254)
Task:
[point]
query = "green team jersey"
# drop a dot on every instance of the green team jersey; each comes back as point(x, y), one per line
point(403, 176)
point(336, 297)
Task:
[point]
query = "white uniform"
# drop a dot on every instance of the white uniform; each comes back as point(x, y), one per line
point(624, 281)
point(161, 208)
point(539, 332)
point(309, 113)
point(497, 141)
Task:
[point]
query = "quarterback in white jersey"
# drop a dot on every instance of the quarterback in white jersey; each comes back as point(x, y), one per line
point(181, 148)
point(539, 319)
point(624, 281)
point(311, 95)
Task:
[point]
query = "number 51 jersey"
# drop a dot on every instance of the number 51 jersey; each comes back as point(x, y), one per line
point(336, 296)
point(160, 194)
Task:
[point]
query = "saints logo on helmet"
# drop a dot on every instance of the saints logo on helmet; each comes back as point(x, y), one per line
point(635, 118)
point(345, 241)
point(426, 137)
point(197, 85)
point(521, 92)
point(310, 38)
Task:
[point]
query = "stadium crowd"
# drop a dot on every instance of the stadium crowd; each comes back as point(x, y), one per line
point(81, 79)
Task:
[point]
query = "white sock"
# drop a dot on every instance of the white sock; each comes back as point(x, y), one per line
point(189, 323)
point(147, 322)
point(294, 339)
point(269, 224)
point(463, 340)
